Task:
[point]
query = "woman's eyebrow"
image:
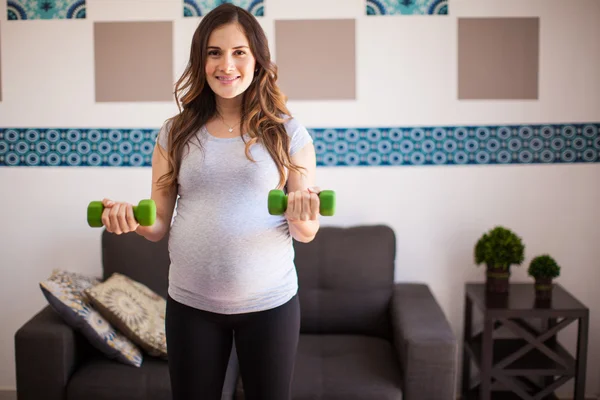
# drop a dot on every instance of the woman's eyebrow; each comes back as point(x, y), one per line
point(217, 47)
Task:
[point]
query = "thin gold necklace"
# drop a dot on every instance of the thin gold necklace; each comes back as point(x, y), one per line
point(230, 127)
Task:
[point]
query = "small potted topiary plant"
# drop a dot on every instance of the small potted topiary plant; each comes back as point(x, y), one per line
point(543, 269)
point(498, 249)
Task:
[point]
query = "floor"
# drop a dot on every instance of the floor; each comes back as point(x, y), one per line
point(4, 395)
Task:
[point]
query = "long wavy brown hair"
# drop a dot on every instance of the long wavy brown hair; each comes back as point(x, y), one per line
point(263, 104)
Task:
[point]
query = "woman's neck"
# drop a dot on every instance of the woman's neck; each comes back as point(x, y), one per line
point(227, 118)
point(230, 109)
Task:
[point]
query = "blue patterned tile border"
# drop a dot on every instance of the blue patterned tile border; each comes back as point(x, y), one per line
point(410, 7)
point(408, 146)
point(76, 147)
point(45, 9)
point(198, 8)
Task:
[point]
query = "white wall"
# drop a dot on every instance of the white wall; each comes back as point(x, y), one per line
point(407, 76)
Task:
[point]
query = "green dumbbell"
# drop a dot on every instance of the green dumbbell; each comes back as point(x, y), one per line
point(144, 213)
point(278, 202)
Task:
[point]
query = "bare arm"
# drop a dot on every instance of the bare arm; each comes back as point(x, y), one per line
point(303, 205)
point(164, 198)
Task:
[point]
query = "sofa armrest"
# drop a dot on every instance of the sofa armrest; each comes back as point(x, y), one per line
point(47, 352)
point(426, 345)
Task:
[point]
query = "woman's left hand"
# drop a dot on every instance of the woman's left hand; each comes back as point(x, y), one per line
point(303, 205)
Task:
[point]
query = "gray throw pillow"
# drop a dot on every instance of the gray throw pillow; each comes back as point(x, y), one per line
point(64, 291)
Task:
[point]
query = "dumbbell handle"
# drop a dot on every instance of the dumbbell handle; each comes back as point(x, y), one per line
point(144, 213)
point(278, 201)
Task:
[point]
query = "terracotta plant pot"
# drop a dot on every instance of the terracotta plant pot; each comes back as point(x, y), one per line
point(543, 288)
point(497, 280)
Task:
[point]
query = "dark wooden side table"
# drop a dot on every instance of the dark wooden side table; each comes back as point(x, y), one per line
point(529, 362)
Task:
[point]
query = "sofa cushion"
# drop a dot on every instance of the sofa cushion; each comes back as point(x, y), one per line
point(138, 258)
point(134, 309)
point(101, 379)
point(64, 291)
point(346, 367)
point(346, 279)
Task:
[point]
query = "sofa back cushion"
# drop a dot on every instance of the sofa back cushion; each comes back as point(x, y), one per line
point(346, 275)
point(346, 278)
point(138, 258)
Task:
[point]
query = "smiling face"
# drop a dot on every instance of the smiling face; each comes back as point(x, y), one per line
point(229, 63)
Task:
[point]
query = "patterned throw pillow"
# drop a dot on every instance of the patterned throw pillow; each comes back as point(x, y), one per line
point(65, 293)
point(134, 309)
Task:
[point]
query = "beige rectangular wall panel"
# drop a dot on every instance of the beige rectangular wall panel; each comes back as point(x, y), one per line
point(498, 58)
point(133, 61)
point(316, 58)
point(0, 66)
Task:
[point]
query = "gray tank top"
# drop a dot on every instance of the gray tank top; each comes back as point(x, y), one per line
point(228, 254)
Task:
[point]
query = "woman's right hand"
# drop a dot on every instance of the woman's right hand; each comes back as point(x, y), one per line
point(118, 217)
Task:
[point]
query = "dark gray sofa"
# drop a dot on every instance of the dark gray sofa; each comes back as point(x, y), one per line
point(362, 335)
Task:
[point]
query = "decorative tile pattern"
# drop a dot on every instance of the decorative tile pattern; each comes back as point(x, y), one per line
point(46, 9)
point(77, 147)
point(198, 8)
point(390, 7)
point(510, 144)
point(409, 146)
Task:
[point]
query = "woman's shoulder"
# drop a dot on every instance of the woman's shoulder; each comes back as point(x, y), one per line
point(297, 132)
point(292, 125)
point(162, 136)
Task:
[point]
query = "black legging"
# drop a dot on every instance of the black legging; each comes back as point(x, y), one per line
point(199, 345)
